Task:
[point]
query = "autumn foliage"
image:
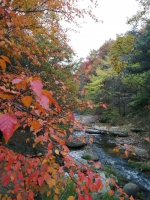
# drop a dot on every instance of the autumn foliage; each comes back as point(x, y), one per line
point(26, 101)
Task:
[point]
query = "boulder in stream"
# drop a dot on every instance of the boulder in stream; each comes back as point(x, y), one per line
point(131, 189)
point(94, 131)
point(75, 144)
point(93, 155)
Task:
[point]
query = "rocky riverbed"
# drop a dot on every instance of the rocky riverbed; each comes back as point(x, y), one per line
point(123, 148)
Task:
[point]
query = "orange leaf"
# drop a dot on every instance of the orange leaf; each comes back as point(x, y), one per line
point(27, 101)
point(19, 197)
point(57, 190)
point(3, 65)
point(40, 108)
point(49, 96)
point(35, 125)
point(111, 192)
point(49, 193)
point(21, 85)
point(55, 197)
point(6, 96)
point(101, 186)
point(47, 178)
point(6, 59)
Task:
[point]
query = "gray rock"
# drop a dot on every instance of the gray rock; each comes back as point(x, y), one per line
point(131, 189)
point(80, 161)
point(139, 151)
point(75, 144)
point(91, 153)
point(116, 131)
point(95, 131)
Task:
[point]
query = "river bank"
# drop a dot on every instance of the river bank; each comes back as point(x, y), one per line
point(130, 166)
point(136, 136)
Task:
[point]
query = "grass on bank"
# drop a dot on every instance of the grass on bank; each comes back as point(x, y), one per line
point(63, 194)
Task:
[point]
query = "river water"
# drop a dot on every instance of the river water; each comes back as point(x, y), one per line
point(107, 157)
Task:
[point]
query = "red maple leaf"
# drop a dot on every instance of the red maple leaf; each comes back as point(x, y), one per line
point(37, 87)
point(44, 101)
point(7, 125)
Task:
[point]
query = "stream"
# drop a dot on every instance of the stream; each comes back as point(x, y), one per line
point(107, 157)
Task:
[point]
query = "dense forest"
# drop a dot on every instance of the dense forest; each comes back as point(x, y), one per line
point(41, 86)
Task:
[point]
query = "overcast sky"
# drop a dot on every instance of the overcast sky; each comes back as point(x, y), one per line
point(92, 35)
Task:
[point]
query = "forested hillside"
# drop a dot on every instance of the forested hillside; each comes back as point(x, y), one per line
point(119, 74)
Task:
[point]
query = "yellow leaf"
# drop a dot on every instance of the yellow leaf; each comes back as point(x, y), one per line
point(56, 151)
point(116, 150)
point(40, 154)
point(27, 101)
point(133, 153)
point(44, 161)
point(64, 153)
point(71, 198)
point(9, 198)
point(52, 183)
point(28, 79)
point(27, 140)
point(3, 65)
point(34, 145)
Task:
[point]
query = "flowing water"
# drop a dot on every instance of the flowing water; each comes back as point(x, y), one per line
point(107, 157)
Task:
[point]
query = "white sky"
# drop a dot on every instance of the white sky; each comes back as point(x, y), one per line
point(114, 14)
